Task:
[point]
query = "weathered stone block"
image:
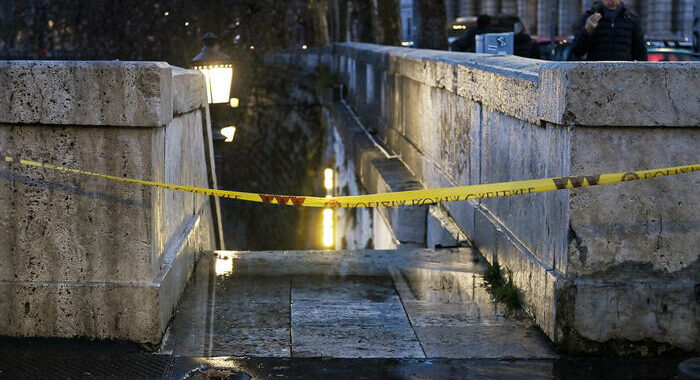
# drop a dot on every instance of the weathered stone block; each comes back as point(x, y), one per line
point(189, 92)
point(620, 94)
point(86, 93)
point(84, 256)
point(651, 222)
point(61, 226)
point(100, 310)
point(659, 308)
point(407, 222)
point(458, 119)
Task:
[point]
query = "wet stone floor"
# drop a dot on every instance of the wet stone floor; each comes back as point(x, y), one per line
point(408, 314)
point(436, 306)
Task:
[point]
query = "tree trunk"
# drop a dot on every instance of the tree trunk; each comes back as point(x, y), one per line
point(389, 22)
point(319, 11)
point(343, 20)
point(333, 20)
point(432, 33)
point(365, 17)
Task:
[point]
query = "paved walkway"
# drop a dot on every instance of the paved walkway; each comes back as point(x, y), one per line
point(365, 304)
point(281, 315)
point(40, 359)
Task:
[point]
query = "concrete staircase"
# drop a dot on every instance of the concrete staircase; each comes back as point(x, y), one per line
point(412, 303)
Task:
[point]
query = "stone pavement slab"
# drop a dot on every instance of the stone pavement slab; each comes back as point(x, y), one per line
point(454, 316)
point(441, 284)
point(483, 341)
point(231, 315)
point(356, 342)
point(427, 313)
point(246, 341)
point(275, 315)
point(234, 289)
point(347, 314)
point(352, 317)
point(435, 308)
point(352, 288)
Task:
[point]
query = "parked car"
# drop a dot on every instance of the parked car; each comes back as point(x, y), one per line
point(459, 27)
point(658, 54)
point(670, 48)
point(499, 24)
point(657, 50)
point(667, 40)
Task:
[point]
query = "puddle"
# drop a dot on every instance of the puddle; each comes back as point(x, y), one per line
point(436, 310)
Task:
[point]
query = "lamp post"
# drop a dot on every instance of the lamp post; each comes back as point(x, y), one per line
point(217, 69)
point(218, 73)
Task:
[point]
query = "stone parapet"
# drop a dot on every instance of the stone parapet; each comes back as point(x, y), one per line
point(189, 92)
point(90, 257)
point(620, 94)
point(114, 93)
point(577, 256)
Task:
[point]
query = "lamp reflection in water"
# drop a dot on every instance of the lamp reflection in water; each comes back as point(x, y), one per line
point(224, 264)
point(328, 236)
point(228, 132)
point(328, 214)
point(328, 180)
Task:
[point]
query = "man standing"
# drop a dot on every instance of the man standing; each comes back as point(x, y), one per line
point(523, 44)
point(610, 32)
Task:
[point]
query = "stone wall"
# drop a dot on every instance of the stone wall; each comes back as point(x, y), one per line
point(90, 257)
point(597, 267)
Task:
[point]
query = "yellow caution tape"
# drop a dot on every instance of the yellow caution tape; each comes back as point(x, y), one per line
point(404, 198)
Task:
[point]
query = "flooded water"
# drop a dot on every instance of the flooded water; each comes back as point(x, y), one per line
point(244, 306)
point(416, 314)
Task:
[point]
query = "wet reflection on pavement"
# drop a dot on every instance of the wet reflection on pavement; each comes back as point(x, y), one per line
point(437, 307)
point(314, 315)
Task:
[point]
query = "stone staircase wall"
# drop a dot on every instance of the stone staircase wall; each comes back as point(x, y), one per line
point(89, 257)
point(597, 266)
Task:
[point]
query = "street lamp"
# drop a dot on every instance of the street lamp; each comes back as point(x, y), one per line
point(216, 68)
point(218, 74)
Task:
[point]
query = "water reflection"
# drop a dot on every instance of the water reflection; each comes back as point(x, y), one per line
point(328, 235)
point(449, 369)
point(224, 264)
point(434, 306)
point(222, 313)
point(328, 180)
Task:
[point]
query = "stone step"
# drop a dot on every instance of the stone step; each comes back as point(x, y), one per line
point(350, 263)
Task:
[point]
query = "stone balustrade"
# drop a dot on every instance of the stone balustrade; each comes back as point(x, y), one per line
point(90, 257)
point(596, 267)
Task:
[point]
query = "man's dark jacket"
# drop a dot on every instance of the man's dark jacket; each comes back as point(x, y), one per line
point(525, 46)
point(620, 39)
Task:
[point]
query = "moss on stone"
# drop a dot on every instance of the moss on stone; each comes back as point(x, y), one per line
point(502, 289)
